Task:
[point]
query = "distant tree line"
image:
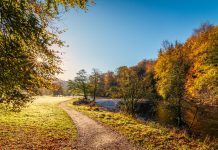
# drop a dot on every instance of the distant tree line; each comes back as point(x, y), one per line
point(59, 88)
point(183, 71)
point(128, 83)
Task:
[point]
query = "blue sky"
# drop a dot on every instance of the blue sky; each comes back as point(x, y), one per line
point(113, 33)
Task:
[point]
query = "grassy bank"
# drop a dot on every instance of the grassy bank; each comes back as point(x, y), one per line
point(41, 125)
point(149, 135)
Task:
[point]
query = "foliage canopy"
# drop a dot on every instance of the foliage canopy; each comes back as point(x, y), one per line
point(27, 36)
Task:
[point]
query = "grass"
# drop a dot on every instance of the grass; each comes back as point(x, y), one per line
point(41, 125)
point(149, 135)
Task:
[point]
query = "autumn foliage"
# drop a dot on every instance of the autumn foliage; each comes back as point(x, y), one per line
point(190, 71)
point(202, 78)
point(27, 36)
point(183, 71)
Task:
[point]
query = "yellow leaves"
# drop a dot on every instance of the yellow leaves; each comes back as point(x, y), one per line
point(202, 78)
point(193, 66)
point(169, 71)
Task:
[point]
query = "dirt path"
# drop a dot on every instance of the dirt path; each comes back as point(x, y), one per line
point(94, 136)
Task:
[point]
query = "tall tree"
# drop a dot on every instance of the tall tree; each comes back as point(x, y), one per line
point(81, 82)
point(72, 89)
point(94, 80)
point(202, 79)
point(130, 88)
point(145, 70)
point(170, 72)
point(109, 84)
point(150, 82)
point(57, 90)
point(27, 36)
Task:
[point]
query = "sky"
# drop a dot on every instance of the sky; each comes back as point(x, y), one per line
point(115, 33)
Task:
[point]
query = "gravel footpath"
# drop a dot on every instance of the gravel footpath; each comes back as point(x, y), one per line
point(94, 136)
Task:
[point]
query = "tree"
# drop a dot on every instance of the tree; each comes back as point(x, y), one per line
point(27, 36)
point(94, 80)
point(108, 84)
point(130, 88)
point(57, 90)
point(170, 71)
point(204, 27)
point(149, 83)
point(202, 78)
point(71, 88)
point(81, 83)
point(145, 70)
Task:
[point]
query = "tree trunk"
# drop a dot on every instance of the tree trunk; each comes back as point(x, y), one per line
point(179, 112)
point(194, 118)
point(133, 106)
point(94, 94)
point(84, 91)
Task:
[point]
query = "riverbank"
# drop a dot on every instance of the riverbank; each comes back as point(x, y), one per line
point(146, 134)
point(199, 120)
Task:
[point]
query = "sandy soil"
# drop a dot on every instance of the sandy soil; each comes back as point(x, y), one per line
point(94, 136)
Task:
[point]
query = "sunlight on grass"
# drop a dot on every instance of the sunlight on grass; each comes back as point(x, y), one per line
point(149, 135)
point(41, 125)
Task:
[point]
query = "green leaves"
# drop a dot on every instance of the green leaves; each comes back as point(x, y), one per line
point(80, 84)
point(26, 34)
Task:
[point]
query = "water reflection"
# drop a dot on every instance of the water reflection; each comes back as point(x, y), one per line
point(203, 120)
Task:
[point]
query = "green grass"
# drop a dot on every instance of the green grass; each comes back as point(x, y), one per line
point(149, 135)
point(41, 125)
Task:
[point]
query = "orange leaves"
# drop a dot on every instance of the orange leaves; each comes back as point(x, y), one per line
point(202, 78)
